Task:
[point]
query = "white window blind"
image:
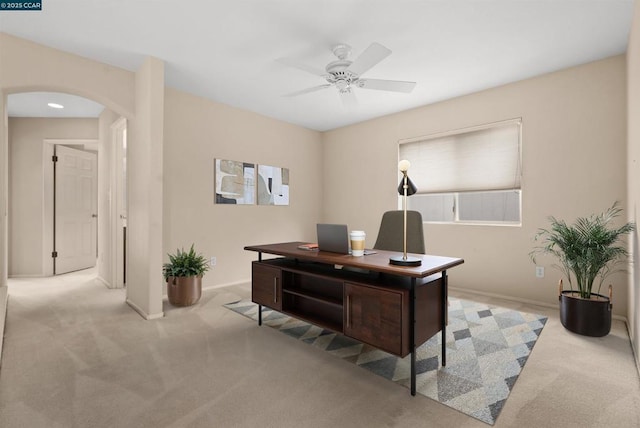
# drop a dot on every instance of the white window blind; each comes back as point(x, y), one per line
point(482, 158)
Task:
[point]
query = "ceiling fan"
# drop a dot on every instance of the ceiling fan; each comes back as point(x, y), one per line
point(345, 74)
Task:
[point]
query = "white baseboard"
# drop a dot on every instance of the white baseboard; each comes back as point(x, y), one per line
point(108, 284)
point(228, 284)
point(35, 275)
point(527, 301)
point(142, 313)
point(502, 296)
point(103, 281)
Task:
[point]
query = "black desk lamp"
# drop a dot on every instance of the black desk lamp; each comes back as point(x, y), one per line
point(405, 188)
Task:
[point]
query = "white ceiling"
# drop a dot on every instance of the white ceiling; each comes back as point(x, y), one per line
point(228, 51)
point(34, 104)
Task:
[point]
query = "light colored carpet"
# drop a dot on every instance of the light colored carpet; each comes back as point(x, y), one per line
point(487, 348)
point(75, 355)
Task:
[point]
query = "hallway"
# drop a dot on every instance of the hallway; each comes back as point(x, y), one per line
point(50, 299)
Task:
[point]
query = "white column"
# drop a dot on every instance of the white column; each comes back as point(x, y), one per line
point(144, 225)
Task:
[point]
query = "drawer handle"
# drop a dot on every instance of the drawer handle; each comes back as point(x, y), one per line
point(348, 310)
point(275, 289)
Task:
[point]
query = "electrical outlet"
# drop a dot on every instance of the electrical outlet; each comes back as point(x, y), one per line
point(212, 261)
point(539, 272)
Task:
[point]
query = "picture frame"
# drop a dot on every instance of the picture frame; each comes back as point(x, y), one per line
point(234, 182)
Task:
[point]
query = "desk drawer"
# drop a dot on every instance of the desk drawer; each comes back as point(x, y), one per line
point(266, 285)
point(378, 317)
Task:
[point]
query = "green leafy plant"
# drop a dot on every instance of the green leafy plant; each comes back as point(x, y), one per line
point(185, 263)
point(589, 249)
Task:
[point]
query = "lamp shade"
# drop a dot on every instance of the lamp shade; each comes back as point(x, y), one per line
point(404, 165)
point(411, 188)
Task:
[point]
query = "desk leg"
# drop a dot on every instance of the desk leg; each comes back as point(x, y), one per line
point(445, 309)
point(260, 306)
point(412, 333)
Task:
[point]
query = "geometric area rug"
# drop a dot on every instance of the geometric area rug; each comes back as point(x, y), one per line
point(487, 348)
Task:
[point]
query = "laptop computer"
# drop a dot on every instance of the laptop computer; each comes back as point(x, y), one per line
point(334, 238)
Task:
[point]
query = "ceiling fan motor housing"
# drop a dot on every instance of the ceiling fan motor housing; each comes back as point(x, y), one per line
point(338, 70)
point(342, 51)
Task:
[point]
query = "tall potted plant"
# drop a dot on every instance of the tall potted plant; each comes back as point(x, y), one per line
point(184, 274)
point(588, 251)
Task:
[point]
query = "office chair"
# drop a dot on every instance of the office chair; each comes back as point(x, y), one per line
point(391, 233)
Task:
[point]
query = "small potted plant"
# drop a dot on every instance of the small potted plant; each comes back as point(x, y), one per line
point(588, 252)
point(183, 274)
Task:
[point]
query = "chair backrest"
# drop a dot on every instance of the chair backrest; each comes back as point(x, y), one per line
point(391, 233)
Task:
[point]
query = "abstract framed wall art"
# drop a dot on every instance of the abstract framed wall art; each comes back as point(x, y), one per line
point(273, 185)
point(234, 182)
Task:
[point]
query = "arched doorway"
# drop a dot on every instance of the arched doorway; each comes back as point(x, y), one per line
point(33, 205)
point(137, 95)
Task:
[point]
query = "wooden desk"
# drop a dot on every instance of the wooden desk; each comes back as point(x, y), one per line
point(393, 308)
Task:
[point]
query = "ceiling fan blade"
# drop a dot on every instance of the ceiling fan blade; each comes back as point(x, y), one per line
point(370, 57)
point(387, 85)
point(349, 100)
point(306, 91)
point(302, 66)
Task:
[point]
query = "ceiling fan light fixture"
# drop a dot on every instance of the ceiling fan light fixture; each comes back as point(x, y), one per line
point(343, 85)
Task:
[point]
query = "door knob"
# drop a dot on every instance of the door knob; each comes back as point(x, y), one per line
point(94, 215)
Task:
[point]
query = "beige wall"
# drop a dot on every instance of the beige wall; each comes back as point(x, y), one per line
point(633, 163)
point(574, 164)
point(26, 186)
point(196, 132)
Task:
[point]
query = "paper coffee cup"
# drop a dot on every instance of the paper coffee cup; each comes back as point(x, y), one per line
point(357, 243)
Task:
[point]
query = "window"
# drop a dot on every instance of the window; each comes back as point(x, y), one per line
point(471, 175)
point(502, 206)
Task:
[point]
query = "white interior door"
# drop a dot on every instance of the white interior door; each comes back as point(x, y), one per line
point(75, 232)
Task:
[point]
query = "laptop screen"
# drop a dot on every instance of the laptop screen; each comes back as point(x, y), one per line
point(333, 238)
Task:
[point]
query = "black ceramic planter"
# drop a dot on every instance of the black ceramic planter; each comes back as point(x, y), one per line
point(584, 316)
